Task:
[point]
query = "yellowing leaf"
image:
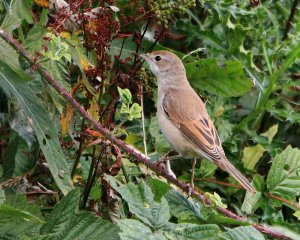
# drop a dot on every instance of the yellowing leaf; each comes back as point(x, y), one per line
point(65, 35)
point(94, 111)
point(85, 64)
point(271, 132)
point(42, 3)
point(65, 120)
point(297, 215)
point(251, 155)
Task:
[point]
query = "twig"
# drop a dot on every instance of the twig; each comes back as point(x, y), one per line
point(143, 121)
point(211, 180)
point(290, 20)
point(285, 201)
point(128, 149)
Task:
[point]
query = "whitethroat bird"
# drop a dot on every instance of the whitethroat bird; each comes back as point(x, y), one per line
point(183, 118)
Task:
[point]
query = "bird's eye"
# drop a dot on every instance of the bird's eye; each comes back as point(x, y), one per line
point(157, 58)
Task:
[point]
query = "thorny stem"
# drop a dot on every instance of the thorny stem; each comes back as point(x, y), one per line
point(292, 205)
point(290, 20)
point(126, 148)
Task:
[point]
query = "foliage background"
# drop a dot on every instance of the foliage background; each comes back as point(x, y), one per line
point(242, 58)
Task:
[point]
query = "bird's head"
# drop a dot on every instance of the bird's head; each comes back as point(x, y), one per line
point(163, 62)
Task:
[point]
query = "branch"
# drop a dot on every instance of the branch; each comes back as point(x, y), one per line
point(126, 148)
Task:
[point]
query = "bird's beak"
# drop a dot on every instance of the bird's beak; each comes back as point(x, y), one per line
point(145, 57)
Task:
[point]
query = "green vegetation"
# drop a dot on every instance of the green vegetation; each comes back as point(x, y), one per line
point(68, 66)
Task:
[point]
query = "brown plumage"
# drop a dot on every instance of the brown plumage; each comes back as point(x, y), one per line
point(182, 115)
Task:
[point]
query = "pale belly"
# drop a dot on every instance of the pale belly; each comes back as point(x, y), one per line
point(179, 143)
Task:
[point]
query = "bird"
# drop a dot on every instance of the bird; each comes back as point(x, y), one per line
point(183, 118)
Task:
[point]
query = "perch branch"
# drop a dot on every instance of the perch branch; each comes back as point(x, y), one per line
point(126, 148)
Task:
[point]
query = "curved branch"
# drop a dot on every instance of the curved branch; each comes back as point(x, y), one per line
point(126, 148)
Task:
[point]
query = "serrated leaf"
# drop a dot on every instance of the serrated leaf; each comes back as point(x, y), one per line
point(160, 142)
point(183, 208)
point(135, 111)
point(253, 200)
point(284, 175)
point(66, 222)
point(158, 187)
point(18, 11)
point(18, 218)
point(125, 95)
point(57, 49)
point(11, 58)
point(141, 202)
point(7, 211)
point(250, 202)
point(186, 231)
point(285, 231)
point(216, 199)
point(228, 80)
point(41, 124)
point(242, 233)
point(207, 169)
point(135, 230)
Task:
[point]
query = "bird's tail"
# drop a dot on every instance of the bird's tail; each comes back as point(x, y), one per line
point(228, 167)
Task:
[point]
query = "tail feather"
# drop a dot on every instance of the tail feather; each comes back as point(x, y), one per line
point(228, 167)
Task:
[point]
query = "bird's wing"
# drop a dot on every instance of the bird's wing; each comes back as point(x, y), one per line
point(188, 114)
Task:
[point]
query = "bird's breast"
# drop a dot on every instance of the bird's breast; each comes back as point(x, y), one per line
point(179, 143)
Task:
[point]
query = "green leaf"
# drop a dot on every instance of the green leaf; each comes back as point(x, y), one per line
point(216, 199)
point(57, 49)
point(66, 222)
point(158, 187)
point(18, 218)
point(186, 231)
point(125, 95)
point(188, 210)
point(135, 230)
point(206, 170)
point(135, 111)
point(7, 211)
point(42, 125)
point(141, 202)
point(11, 58)
point(18, 11)
point(228, 80)
point(242, 233)
point(285, 231)
point(160, 142)
point(284, 178)
point(184, 208)
point(254, 200)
